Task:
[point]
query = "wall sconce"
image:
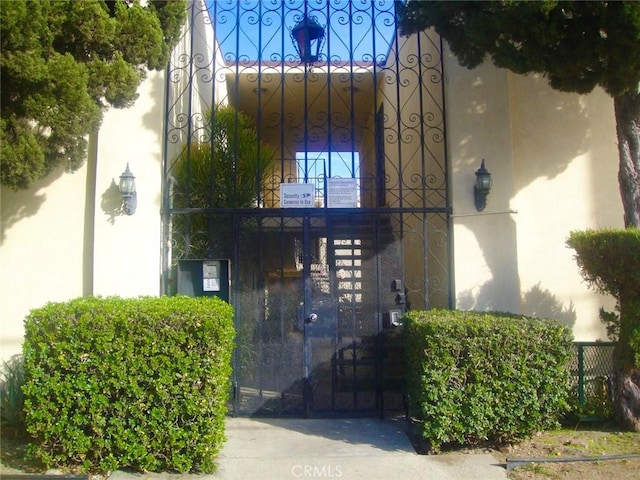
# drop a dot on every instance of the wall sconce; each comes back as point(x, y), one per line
point(307, 37)
point(127, 188)
point(482, 187)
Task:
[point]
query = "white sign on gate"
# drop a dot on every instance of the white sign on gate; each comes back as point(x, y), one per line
point(342, 193)
point(297, 195)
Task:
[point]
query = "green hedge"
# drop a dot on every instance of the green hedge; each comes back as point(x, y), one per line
point(485, 376)
point(609, 260)
point(138, 383)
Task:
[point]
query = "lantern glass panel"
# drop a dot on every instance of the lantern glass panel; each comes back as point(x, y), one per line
point(127, 185)
point(484, 181)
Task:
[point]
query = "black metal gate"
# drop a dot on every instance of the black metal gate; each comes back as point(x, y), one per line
point(305, 144)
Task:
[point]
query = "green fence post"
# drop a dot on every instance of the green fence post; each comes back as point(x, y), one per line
point(580, 374)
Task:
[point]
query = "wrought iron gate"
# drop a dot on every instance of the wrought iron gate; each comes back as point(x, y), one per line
point(305, 144)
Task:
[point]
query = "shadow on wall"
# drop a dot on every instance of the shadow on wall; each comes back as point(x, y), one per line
point(551, 128)
point(154, 120)
point(21, 204)
point(497, 253)
point(16, 206)
point(155, 116)
point(111, 203)
point(538, 119)
point(541, 303)
point(536, 302)
point(548, 130)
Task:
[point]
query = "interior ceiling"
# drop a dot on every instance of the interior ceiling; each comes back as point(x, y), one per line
point(317, 111)
point(339, 107)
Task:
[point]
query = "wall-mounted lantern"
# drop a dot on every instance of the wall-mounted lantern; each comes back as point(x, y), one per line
point(127, 188)
point(482, 187)
point(308, 37)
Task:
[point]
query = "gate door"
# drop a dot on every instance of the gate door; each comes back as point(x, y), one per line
point(313, 342)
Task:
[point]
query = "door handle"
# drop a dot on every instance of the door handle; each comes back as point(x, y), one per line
point(313, 318)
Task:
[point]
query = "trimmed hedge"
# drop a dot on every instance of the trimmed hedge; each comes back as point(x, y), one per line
point(609, 260)
point(138, 383)
point(485, 376)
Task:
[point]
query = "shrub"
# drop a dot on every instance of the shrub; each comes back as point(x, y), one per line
point(139, 383)
point(477, 376)
point(597, 404)
point(11, 396)
point(609, 260)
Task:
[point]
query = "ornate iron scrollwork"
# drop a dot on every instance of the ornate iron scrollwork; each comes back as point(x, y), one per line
point(371, 95)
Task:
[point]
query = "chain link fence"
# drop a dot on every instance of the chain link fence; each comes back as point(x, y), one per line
point(592, 372)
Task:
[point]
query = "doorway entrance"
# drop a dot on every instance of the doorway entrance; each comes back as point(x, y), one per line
point(357, 128)
point(317, 340)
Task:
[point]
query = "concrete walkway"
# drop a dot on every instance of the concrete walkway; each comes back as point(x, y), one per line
point(347, 449)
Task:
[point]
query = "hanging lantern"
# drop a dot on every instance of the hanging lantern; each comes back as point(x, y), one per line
point(307, 37)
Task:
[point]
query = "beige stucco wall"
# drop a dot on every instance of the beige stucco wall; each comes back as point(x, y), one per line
point(478, 127)
point(127, 248)
point(566, 165)
point(41, 250)
point(553, 159)
point(67, 236)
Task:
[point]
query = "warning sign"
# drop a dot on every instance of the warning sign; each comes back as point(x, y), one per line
point(297, 195)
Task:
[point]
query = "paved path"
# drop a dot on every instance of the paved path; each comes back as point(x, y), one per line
point(346, 449)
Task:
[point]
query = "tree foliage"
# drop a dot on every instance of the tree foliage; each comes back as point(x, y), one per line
point(576, 45)
point(62, 63)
